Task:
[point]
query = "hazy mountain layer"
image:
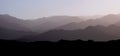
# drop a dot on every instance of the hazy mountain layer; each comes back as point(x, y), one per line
point(60, 27)
point(49, 23)
point(97, 33)
point(104, 21)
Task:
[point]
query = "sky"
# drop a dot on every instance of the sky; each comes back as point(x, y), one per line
point(31, 9)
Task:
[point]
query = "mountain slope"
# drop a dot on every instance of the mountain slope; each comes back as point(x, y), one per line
point(10, 22)
point(12, 34)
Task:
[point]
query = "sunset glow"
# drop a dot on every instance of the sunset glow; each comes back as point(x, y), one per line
point(29, 9)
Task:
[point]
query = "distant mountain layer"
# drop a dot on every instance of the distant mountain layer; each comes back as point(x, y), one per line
point(39, 25)
point(104, 21)
point(49, 23)
point(55, 22)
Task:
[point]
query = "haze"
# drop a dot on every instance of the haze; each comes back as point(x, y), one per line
point(30, 9)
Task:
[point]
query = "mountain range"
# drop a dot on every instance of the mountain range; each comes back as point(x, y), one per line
point(60, 27)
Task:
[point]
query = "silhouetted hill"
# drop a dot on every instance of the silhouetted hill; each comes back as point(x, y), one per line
point(60, 44)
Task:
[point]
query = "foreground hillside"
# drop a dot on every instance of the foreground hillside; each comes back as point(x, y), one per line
point(60, 44)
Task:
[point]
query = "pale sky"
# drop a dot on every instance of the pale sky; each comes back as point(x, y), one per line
point(30, 9)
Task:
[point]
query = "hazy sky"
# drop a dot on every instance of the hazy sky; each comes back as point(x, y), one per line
point(28, 9)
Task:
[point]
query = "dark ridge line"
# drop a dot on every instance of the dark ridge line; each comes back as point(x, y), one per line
point(61, 44)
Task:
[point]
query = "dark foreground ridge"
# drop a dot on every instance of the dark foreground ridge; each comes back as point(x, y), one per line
point(61, 43)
